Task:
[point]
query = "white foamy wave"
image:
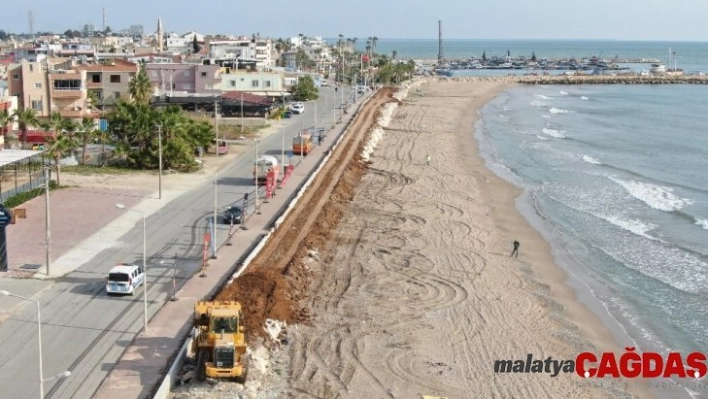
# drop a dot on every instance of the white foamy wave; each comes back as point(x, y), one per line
point(703, 223)
point(546, 116)
point(633, 226)
point(541, 137)
point(657, 197)
point(590, 159)
point(555, 110)
point(542, 97)
point(537, 103)
point(553, 133)
point(563, 93)
point(584, 98)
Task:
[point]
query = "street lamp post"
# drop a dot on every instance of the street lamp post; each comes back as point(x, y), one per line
point(48, 236)
point(39, 337)
point(282, 149)
point(145, 280)
point(258, 170)
point(159, 146)
point(216, 174)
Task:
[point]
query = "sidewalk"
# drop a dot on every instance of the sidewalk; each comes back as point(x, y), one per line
point(143, 364)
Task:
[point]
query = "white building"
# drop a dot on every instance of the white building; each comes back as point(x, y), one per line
point(189, 37)
point(258, 49)
point(258, 82)
point(175, 42)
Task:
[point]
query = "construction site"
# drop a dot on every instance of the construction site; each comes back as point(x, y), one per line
point(277, 283)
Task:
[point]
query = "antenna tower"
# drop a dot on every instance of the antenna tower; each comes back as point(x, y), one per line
point(31, 23)
point(104, 19)
point(441, 56)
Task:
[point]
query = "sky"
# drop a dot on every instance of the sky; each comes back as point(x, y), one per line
point(661, 20)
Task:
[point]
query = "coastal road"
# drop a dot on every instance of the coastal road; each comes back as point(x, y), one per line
point(85, 331)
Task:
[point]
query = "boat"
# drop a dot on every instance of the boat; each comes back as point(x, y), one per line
point(673, 71)
point(658, 68)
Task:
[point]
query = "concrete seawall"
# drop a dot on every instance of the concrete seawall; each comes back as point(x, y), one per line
point(583, 79)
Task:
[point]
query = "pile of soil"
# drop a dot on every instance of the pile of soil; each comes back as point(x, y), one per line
point(278, 278)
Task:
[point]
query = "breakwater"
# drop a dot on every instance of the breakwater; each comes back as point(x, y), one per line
point(583, 79)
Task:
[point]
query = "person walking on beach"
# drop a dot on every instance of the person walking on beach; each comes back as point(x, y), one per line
point(427, 159)
point(515, 252)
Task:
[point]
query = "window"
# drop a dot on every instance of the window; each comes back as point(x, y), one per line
point(16, 76)
point(116, 94)
point(204, 74)
point(96, 78)
point(266, 83)
point(254, 83)
point(115, 78)
point(37, 105)
point(233, 83)
point(37, 85)
point(31, 67)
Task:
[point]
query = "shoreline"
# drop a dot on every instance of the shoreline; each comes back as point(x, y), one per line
point(514, 222)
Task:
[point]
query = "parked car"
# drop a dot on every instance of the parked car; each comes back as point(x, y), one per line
point(297, 108)
point(124, 279)
point(233, 214)
point(323, 83)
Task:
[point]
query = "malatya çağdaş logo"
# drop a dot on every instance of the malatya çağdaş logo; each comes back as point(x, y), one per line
point(630, 364)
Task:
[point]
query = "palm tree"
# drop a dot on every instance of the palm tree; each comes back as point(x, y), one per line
point(140, 87)
point(374, 41)
point(25, 117)
point(5, 120)
point(394, 53)
point(87, 132)
point(59, 144)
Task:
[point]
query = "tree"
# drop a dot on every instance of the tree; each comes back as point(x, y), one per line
point(59, 143)
point(87, 132)
point(25, 117)
point(533, 56)
point(4, 35)
point(394, 53)
point(5, 120)
point(140, 87)
point(484, 55)
point(305, 89)
point(195, 45)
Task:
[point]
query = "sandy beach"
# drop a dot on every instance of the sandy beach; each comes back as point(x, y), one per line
point(417, 294)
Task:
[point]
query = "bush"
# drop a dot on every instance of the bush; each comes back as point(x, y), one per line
point(21, 198)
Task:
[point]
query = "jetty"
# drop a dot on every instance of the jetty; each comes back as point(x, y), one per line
point(582, 79)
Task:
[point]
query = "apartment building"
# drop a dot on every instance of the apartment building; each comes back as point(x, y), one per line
point(258, 49)
point(108, 81)
point(28, 81)
point(67, 93)
point(266, 83)
point(184, 78)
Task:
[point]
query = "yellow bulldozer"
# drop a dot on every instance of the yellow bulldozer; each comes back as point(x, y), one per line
point(219, 342)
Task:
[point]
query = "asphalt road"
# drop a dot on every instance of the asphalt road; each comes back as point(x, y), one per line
point(85, 331)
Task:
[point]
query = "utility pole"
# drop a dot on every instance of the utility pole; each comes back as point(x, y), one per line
point(441, 55)
point(213, 236)
point(47, 175)
point(241, 113)
point(159, 144)
point(282, 148)
point(216, 126)
point(258, 170)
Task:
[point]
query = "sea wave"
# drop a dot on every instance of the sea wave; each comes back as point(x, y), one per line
point(584, 98)
point(546, 116)
point(635, 226)
point(658, 197)
point(592, 160)
point(537, 103)
point(542, 97)
point(702, 222)
point(563, 93)
point(555, 110)
point(541, 137)
point(553, 133)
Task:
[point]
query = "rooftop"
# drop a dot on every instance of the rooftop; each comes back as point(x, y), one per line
point(116, 65)
point(8, 157)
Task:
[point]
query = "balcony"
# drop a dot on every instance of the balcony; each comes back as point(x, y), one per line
point(71, 113)
point(67, 92)
point(94, 85)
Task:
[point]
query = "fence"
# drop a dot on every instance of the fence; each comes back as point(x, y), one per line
point(36, 180)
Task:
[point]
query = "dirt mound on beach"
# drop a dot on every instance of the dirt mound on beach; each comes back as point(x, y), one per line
point(279, 278)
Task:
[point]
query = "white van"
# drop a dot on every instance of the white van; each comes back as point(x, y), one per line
point(124, 279)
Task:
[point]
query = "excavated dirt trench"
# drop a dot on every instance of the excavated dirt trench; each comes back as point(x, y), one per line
point(278, 279)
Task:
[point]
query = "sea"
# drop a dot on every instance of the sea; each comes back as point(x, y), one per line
point(615, 177)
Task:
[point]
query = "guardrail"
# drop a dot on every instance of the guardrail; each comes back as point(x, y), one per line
point(165, 388)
